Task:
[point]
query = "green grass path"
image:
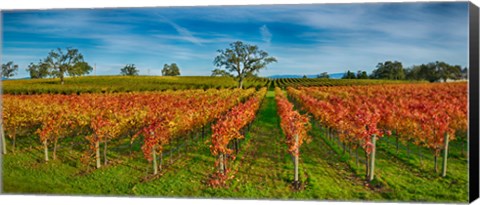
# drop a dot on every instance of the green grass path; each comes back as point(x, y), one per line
point(402, 178)
point(267, 169)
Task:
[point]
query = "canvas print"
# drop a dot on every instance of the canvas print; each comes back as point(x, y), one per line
point(338, 102)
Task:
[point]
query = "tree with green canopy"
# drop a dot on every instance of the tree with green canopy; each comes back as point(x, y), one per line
point(221, 73)
point(349, 75)
point(39, 70)
point(389, 70)
point(362, 75)
point(70, 62)
point(242, 60)
point(323, 75)
point(170, 70)
point(9, 69)
point(129, 70)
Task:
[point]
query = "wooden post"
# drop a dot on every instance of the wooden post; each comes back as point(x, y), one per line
point(329, 133)
point(397, 142)
point(420, 154)
point(55, 148)
point(221, 168)
point(367, 163)
point(372, 159)
point(13, 150)
point(4, 143)
point(131, 147)
point(161, 160)
point(340, 143)
point(105, 161)
point(408, 148)
point(356, 155)
point(154, 155)
point(236, 143)
point(445, 156)
point(45, 148)
point(97, 153)
point(325, 132)
point(174, 149)
point(225, 160)
point(296, 182)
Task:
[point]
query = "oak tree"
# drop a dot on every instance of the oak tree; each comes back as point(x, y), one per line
point(242, 60)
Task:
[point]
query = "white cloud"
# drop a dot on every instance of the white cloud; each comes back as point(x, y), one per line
point(266, 35)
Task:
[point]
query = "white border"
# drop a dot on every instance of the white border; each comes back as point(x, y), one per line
point(49, 4)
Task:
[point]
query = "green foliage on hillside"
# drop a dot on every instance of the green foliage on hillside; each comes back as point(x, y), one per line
point(109, 84)
point(297, 82)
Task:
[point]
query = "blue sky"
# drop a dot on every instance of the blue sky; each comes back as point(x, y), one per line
point(306, 39)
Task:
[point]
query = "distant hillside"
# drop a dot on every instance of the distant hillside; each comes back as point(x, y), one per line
point(332, 76)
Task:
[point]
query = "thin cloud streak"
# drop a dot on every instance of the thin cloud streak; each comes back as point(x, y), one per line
point(266, 35)
point(184, 33)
